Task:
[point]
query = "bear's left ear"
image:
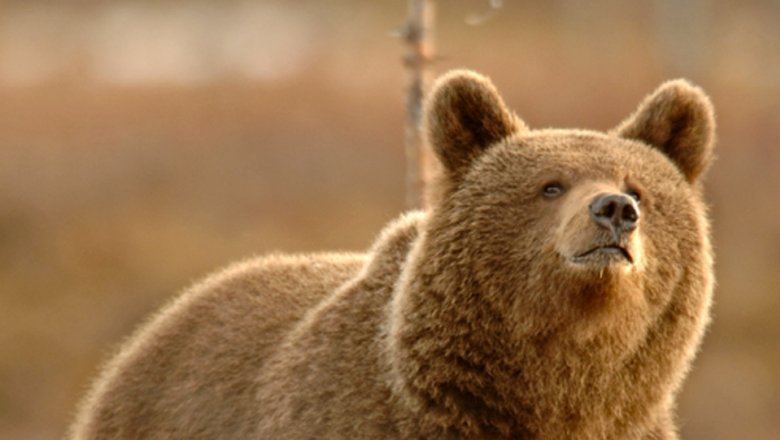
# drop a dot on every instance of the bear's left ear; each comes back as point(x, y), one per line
point(464, 115)
point(678, 120)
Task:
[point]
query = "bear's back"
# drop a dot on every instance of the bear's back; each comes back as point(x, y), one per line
point(190, 371)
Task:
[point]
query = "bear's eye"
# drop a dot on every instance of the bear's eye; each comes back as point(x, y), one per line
point(552, 190)
point(634, 194)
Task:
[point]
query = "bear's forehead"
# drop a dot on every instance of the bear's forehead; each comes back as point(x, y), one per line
point(585, 152)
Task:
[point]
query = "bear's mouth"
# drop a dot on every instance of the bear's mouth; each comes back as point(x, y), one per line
point(608, 252)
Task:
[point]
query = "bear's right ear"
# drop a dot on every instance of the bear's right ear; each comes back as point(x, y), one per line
point(678, 120)
point(464, 116)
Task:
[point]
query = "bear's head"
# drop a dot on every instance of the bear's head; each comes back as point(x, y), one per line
point(567, 233)
point(559, 273)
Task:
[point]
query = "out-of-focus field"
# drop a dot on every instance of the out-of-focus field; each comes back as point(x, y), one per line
point(144, 144)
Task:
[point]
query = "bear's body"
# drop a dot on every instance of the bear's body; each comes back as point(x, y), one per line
point(558, 287)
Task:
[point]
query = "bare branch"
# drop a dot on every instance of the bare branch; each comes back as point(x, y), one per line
point(417, 33)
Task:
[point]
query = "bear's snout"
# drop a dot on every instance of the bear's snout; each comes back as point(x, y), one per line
point(618, 213)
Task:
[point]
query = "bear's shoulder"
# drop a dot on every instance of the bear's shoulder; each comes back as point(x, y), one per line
point(217, 331)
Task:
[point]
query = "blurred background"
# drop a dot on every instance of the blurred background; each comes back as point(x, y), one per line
point(145, 143)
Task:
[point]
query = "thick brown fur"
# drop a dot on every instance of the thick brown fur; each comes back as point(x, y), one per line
point(504, 311)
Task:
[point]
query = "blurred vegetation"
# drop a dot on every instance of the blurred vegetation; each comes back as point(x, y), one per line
point(143, 144)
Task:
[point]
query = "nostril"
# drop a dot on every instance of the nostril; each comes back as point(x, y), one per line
point(630, 214)
point(629, 217)
point(602, 207)
point(608, 210)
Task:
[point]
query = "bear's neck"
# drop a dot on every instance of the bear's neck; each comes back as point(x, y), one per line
point(457, 362)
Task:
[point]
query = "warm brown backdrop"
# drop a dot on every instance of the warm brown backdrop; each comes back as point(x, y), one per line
point(143, 144)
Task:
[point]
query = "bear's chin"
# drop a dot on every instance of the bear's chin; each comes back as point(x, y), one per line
point(604, 256)
point(601, 253)
point(605, 260)
point(601, 266)
point(602, 282)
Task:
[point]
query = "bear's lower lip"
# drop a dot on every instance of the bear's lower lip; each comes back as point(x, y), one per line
point(608, 253)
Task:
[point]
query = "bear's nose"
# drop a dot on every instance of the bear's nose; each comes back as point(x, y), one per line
point(618, 213)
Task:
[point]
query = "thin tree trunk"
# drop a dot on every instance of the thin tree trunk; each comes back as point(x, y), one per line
point(418, 36)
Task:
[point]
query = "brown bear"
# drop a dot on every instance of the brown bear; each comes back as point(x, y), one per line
point(557, 287)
